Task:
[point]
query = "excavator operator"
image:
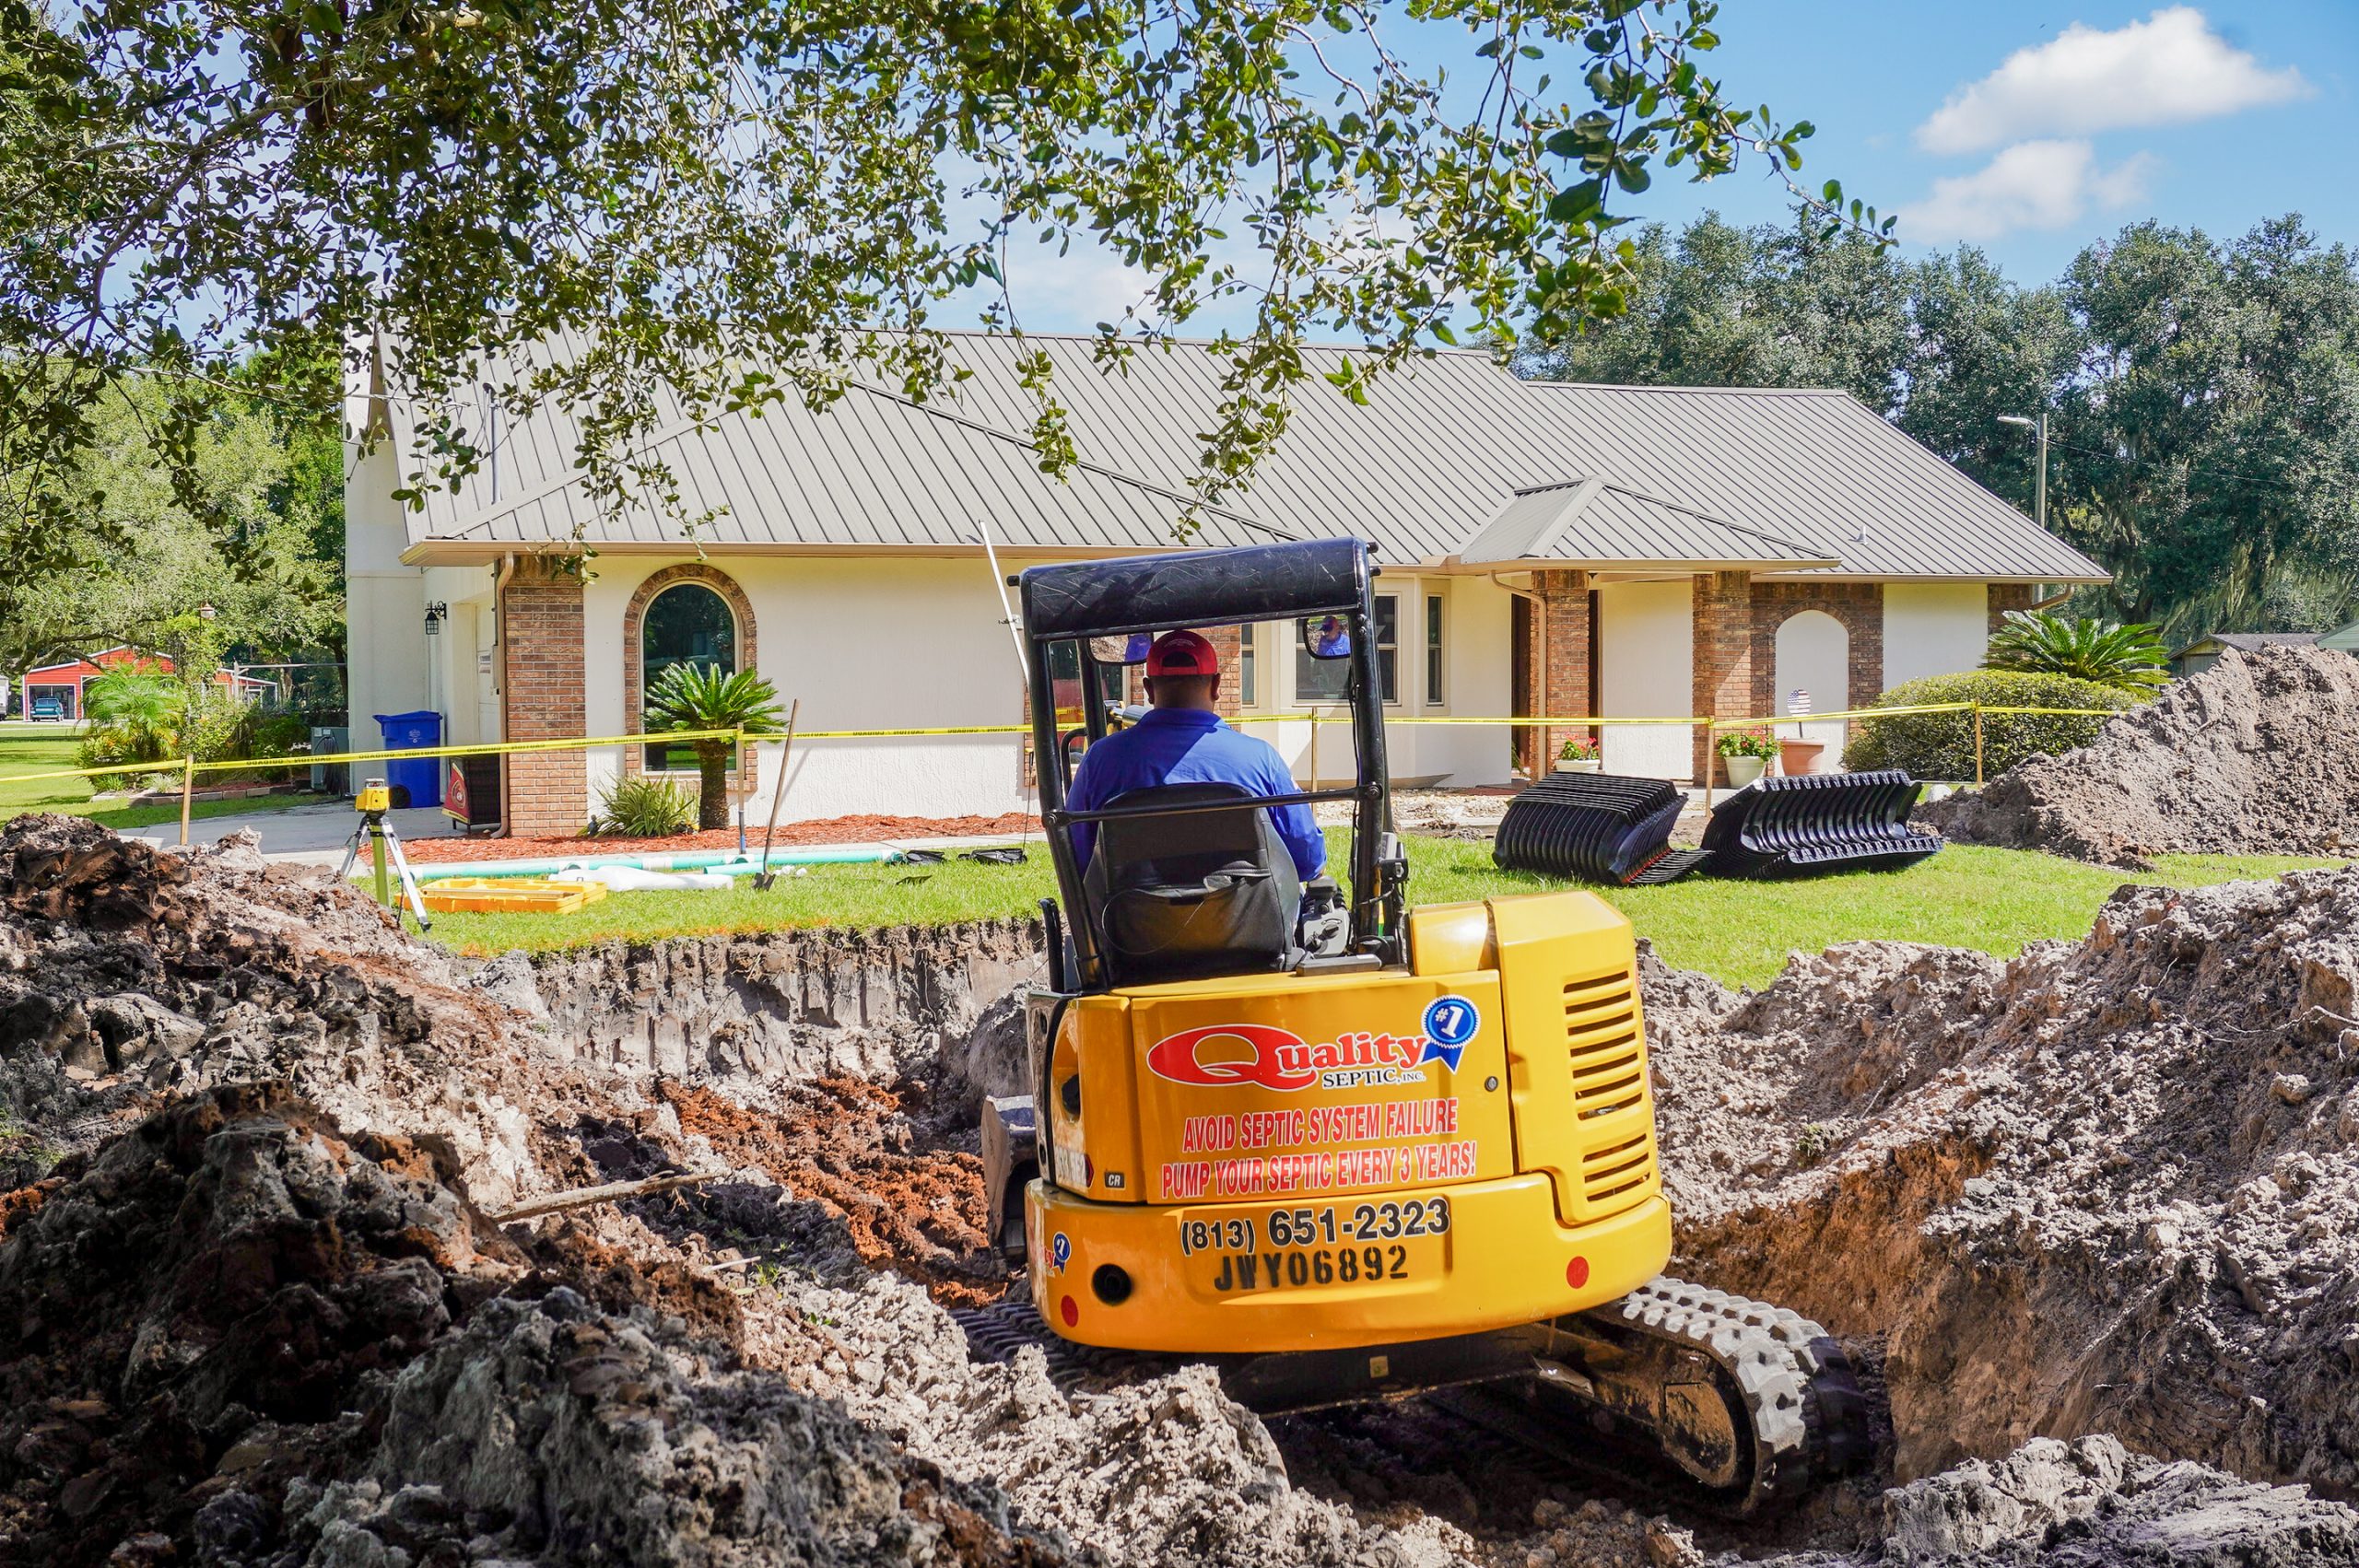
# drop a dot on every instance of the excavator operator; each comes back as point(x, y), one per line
point(1181, 740)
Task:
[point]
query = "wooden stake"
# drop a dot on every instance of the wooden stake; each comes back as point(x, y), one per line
point(1977, 742)
point(614, 1192)
point(188, 791)
point(762, 879)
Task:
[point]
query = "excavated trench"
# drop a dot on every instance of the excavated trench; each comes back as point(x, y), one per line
point(2090, 1208)
point(1825, 1148)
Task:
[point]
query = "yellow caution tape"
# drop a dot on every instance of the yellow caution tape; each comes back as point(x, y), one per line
point(510, 748)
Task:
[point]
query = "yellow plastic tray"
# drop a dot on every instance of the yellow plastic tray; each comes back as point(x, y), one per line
point(508, 896)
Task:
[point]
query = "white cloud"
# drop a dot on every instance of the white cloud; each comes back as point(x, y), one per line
point(2045, 185)
point(2167, 70)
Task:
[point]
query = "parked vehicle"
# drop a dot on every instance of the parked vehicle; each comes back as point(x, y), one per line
point(46, 708)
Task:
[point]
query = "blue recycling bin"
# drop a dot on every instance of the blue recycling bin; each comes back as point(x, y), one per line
point(420, 776)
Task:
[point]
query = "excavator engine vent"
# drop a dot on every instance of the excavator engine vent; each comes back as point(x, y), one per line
point(1609, 1063)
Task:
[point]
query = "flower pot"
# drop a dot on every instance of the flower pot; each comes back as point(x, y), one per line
point(1798, 757)
point(1743, 770)
point(1594, 765)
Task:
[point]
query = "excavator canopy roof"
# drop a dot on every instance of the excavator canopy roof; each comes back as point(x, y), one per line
point(1138, 593)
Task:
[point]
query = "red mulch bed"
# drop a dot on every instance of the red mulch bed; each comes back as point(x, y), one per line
point(832, 830)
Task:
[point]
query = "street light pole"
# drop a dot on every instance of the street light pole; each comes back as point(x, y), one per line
point(2040, 489)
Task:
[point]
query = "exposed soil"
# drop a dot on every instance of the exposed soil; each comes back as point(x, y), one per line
point(824, 830)
point(852, 1146)
point(251, 1311)
point(2259, 754)
point(2110, 1186)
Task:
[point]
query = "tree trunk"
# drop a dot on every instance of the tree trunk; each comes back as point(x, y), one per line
point(712, 780)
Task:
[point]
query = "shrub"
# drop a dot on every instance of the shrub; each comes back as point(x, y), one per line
point(689, 696)
point(2132, 658)
point(645, 808)
point(1579, 748)
point(1940, 745)
point(1745, 743)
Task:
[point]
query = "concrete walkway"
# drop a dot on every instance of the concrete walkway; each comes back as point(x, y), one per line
point(303, 835)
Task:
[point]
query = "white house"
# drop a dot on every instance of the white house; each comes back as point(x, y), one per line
point(1548, 549)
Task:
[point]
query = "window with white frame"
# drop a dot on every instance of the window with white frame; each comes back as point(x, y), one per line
point(1322, 680)
point(1434, 689)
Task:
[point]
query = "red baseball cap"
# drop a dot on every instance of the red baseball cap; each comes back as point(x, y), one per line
point(1181, 653)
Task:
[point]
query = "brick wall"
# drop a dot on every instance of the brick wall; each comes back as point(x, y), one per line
point(1229, 643)
point(1560, 629)
point(1858, 605)
point(1723, 661)
point(540, 674)
point(2006, 597)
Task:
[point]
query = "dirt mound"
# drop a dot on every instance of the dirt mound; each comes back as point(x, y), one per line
point(267, 1324)
point(2112, 1186)
point(129, 975)
point(2256, 756)
point(551, 1430)
point(202, 1299)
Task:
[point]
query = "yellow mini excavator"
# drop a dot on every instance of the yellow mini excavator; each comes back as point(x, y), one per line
point(1346, 1150)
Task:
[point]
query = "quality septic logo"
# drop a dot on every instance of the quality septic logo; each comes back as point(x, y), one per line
point(1218, 1055)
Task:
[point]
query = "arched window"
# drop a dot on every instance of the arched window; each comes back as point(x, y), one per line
point(686, 623)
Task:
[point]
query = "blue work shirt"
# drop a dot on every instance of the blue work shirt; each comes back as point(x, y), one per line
point(1188, 746)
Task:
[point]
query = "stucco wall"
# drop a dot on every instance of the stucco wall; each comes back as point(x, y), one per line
point(919, 643)
point(1645, 667)
point(1933, 628)
point(1476, 621)
point(865, 644)
point(384, 601)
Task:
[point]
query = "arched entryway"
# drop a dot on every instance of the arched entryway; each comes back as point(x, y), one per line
point(1815, 674)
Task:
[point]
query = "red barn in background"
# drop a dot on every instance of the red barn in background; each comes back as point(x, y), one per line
point(64, 683)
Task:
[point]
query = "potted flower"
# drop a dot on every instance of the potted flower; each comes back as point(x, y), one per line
point(1745, 754)
point(1579, 755)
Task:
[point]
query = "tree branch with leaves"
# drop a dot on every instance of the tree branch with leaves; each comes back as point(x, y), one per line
point(746, 201)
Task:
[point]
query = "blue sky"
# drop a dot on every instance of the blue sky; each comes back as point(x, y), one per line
point(2027, 127)
point(2247, 112)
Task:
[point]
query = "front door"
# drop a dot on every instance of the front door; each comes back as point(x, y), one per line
point(1523, 739)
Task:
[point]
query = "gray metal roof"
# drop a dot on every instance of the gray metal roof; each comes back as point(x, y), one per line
point(2253, 642)
point(1436, 457)
point(1596, 523)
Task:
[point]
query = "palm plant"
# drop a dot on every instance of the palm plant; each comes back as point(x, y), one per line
point(690, 696)
point(2129, 658)
point(137, 709)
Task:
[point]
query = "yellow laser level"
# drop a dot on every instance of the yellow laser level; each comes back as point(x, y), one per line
point(384, 846)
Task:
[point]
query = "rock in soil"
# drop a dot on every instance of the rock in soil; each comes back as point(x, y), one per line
point(2258, 754)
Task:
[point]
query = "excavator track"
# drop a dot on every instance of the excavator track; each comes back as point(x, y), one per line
point(1682, 1393)
point(1730, 1404)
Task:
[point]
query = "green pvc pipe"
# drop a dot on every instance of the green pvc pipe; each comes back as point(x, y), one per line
point(727, 861)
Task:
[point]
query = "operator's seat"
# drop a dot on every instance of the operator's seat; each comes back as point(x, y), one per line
point(1191, 897)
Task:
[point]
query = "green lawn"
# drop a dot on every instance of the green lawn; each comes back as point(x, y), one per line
point(1991, 899)
point(37, 748)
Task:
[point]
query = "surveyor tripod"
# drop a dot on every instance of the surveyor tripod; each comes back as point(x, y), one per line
point(384, 846)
